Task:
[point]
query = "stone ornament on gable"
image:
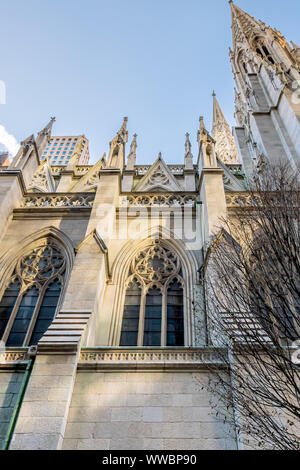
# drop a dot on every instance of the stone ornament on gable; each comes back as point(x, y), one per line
point(158, 178)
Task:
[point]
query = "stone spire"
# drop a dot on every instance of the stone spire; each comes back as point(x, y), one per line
point(243, 24)
point(132, 155)
point(133, 145)
point(225, 145)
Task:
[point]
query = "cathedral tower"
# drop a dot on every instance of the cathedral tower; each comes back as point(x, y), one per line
point(267, 72)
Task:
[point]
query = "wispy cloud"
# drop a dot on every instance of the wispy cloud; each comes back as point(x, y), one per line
point(8, 141)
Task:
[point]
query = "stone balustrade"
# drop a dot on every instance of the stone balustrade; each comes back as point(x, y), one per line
point(239, 199)
point(58, 201)
point(159, 200)
point(175, 169)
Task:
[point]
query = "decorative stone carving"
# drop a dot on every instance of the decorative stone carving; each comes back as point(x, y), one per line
point(240, 109)
point(13, 356)
point(240, 199)
point(207, 147)
point(42, 179)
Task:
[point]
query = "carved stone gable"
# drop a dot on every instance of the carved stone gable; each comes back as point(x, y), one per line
point(158, 178)
point(42, 179)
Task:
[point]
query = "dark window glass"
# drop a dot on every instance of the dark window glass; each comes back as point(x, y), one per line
point(7, 304)
point(46, 312)
point(23, 318)
point(175, 322)
point(130, 325)
point(153, 315)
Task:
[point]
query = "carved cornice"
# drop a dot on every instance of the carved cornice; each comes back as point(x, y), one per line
point(150, 358)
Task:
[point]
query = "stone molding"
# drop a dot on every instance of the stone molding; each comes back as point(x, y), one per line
point(13, 358)
point(150, 358)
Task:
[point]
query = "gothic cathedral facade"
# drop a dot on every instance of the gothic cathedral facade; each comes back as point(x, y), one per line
point(102, 316)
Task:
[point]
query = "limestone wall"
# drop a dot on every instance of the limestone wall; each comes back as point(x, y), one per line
point(144, 410)
point(10, 383)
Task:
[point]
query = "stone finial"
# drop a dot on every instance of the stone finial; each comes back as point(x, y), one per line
point(188, 157)
point(188, 145)
point(206, 147)
point(133, 145)
point(202, 128)
point(132, 155)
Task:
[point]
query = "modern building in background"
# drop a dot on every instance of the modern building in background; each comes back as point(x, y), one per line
point(61, 149)
point(112, 326)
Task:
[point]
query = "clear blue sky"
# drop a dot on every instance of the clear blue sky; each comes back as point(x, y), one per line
point(91, 62)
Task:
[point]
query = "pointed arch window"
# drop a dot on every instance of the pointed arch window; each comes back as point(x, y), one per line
point(154, 301)
point(30, 301)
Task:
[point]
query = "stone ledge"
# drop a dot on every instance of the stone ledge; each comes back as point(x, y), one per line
point(65, 332)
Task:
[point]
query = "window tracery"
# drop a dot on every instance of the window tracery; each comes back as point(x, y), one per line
point(154, 307)
point(30, 300)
